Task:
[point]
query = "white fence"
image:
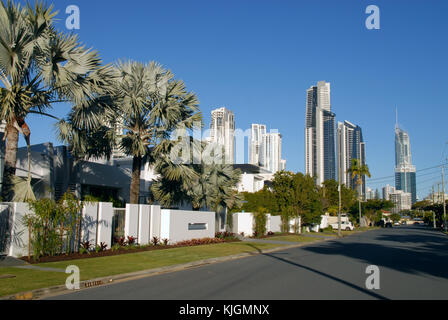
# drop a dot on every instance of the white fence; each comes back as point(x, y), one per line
point(244, 222)
point(141, 221)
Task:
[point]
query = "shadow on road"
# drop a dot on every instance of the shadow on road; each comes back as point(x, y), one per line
point(351, 285)
point(422, 251)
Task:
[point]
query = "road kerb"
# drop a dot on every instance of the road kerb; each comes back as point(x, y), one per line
point(108, 280)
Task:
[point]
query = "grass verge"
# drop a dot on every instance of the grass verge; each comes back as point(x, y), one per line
point(26, 280)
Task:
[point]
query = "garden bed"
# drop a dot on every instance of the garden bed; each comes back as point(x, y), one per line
point(127, 249)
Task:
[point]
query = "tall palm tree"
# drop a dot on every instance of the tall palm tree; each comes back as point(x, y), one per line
point(358, 170)
point(40, 67)
point(151, 105)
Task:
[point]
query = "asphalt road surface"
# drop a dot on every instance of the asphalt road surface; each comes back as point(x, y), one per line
point(412, 260)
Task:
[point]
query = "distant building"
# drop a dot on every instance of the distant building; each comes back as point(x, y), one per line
point(402, 201)
point(222, 132)
point(320, 161)
point(405, 178)
point(387, 190)
point(271, 152)
point(436, 197)
point(350, 145)
point(370, 194)
point(257, 131)
point(283, 165)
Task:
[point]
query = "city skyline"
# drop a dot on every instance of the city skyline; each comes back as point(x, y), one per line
point(371, 71)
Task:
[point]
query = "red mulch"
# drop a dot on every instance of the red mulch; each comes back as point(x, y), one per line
point(106, 253)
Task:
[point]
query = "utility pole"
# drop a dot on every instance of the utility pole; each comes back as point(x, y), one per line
point(339, 182)
point(339, 210)
point(433, 212)
point(443, 197)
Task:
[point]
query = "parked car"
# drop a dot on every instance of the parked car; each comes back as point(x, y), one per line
point(388, 225)
point(345, 225)
point(396, 223)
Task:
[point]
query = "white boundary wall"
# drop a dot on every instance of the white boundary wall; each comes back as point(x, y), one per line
point(141, 221)
point(179, 225)
point(244, 222)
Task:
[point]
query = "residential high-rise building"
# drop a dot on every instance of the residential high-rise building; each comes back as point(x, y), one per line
point(387, 190)
point(271, 152)
point(405, 178)
point(320, 161)
point(256, 138)
point(222, 132)
point(402, 201)
point(350, 145)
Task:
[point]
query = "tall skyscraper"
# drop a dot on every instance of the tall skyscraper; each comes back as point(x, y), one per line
point(271, 152)
point(222, 132)
point(256, 138)
point(405, 179)
point(350, 145)
point(320, 134)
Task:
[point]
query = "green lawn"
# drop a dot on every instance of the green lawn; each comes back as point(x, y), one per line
point(26, 280)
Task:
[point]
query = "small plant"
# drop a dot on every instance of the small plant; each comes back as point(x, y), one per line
point(86, 245)
point(115, 247)
point(131, 241)
point(270, 233)
point(98, 248)
point(165, 242)
point(83, 250)
point(103, 246)
point(255, 234)
point(121, 241)
point(155, 241)
point(219, 235)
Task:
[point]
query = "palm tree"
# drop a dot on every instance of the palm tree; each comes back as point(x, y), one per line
point(40, 67)
point(204, 185)
point(151, 105)
point(357, 171)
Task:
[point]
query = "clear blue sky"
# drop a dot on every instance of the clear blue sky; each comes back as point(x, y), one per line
point(258, 57)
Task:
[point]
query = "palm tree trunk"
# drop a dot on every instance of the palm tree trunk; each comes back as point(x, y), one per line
point(12, 140)
point(135, 180)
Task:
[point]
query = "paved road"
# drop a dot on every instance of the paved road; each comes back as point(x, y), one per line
point(413, 263)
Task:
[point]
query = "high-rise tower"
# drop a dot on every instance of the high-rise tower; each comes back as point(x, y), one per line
point(405, 179)
point(350, 144)
point(222, 132)
point(256, 138)
point(320, 134)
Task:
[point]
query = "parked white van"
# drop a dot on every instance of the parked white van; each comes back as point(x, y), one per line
point(345, 225)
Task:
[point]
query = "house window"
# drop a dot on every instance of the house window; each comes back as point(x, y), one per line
point(197, 226)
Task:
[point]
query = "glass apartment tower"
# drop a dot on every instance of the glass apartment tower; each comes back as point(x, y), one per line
point(350, 145)
point(405, 179)
point(320, 161)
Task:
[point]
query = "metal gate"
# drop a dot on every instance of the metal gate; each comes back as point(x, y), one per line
point(5, 228)
point(118, 220)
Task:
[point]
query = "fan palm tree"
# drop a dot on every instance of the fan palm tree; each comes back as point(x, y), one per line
point(152, 104)
point(40, 67)
point(205, 185)
point(358, 170)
